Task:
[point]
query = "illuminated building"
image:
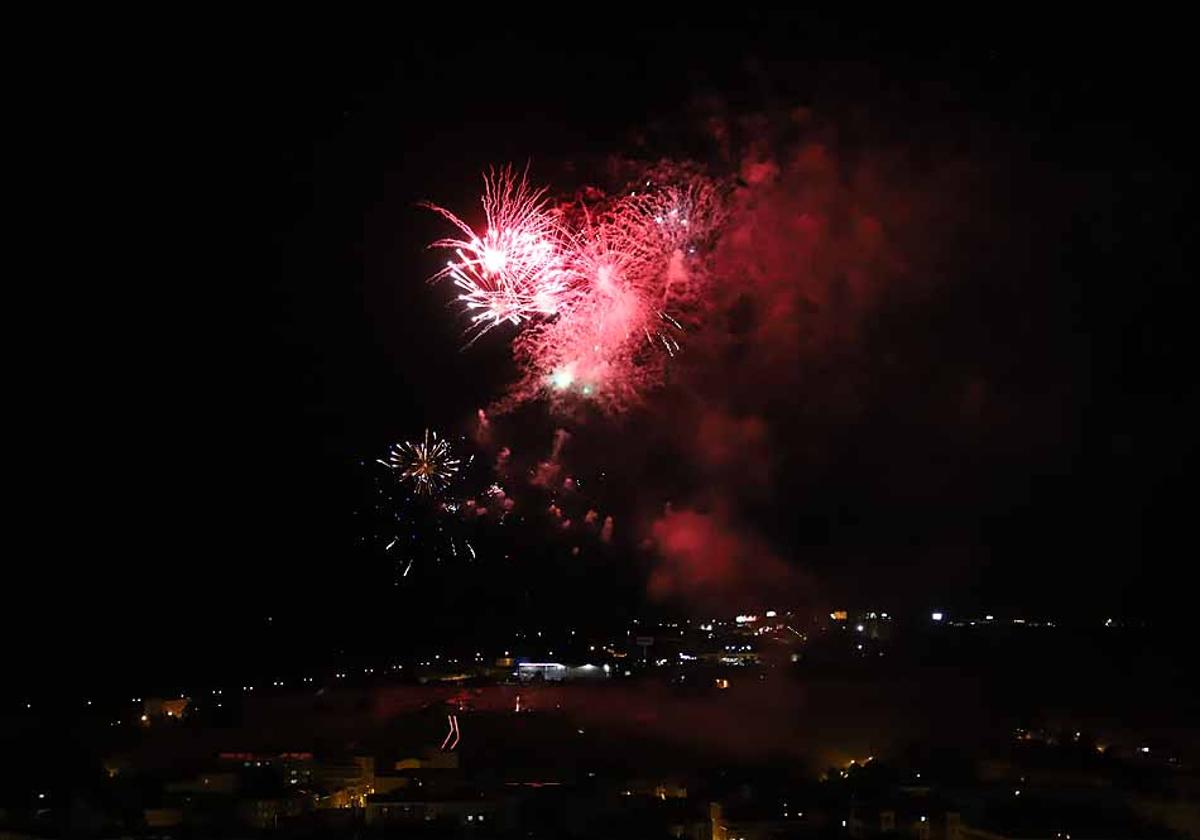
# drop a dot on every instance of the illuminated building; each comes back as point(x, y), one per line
point(462, 808)
point(349, 782)
point(547, 671)
point(266, 812)
point(558, 672)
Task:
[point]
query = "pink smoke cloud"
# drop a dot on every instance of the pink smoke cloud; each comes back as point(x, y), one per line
point(703, 557)
point(736, 448)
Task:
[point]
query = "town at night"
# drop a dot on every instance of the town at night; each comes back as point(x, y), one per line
point(602, 424)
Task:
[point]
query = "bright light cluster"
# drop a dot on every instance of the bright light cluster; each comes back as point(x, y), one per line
point(428, 464)
point(515, 269)
point(600, 286)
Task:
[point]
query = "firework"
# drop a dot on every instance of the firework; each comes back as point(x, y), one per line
point(674, 209)
point(421, 511)
point(600, 289)
point(428, 464)
point(608, 345)
point(515, 270)
point(429, 535)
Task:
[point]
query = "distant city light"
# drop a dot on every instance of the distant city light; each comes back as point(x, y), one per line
point(937, 616)
point(771, 613)
point(859, 628)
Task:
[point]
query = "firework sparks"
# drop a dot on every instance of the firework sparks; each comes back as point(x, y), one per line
point(420, 538)
point(515, 270)
point(601, 288)
point(428, 464)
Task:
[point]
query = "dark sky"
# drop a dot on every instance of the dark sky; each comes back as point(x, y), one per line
point(221, 306)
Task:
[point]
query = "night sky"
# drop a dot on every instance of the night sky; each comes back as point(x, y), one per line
point(222, 312)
